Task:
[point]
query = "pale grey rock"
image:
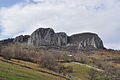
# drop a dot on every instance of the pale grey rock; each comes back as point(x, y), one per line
point(60, 39)
point(21, 39)
point(47, 37)
point(41, 37)
point(85, 41)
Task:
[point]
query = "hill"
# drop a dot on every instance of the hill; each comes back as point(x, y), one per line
point(22, 70)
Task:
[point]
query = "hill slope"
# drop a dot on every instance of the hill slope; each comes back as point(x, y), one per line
point(10, 71)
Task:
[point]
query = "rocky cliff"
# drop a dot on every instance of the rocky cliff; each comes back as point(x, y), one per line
point(48, 38)
point(21, 39)
point(85, 41)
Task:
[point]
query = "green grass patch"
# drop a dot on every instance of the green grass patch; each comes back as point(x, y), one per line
point(15, 72)
point(79, 71)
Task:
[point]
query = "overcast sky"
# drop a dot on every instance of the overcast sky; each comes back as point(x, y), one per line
point(71, 16)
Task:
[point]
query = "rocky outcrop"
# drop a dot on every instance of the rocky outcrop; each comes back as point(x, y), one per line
point(21, 39)
point(6, 42)
point(85, 41)
point(47, 37)
point(60, 39)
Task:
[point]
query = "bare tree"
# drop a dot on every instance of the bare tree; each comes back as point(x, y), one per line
point(47, 61)
point(7, 53)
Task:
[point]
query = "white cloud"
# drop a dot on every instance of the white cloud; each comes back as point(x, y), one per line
point(71, 16)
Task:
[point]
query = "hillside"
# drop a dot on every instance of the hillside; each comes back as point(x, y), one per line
point(47, 55)
point(19, 70)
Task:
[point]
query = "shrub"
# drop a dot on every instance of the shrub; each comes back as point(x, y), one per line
point(47, 61)
point(69, 69)
point(109, 72)
point(82, 58)
point(93, 74)
point(64, 69)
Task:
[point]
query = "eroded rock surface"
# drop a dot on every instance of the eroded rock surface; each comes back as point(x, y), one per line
point(47, 37)
point(85, 41)
point(21, 39)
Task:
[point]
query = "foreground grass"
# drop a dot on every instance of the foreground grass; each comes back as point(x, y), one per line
point(79, 71)
point(14, 72)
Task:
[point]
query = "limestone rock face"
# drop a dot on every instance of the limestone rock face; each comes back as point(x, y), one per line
point(60, 39)
point(21, 39)
point(47, 37)
point(85, 41)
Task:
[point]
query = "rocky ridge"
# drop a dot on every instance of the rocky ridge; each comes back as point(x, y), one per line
point(85, 41)
point(47, 37)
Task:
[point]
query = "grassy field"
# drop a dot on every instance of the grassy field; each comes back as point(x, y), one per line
point(79, 71)
point(15, 72)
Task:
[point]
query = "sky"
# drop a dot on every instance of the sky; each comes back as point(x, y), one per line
point(22, 17)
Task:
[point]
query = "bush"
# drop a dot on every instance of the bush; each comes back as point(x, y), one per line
point(93, 74)
point(47, 61)
point(69, 69)
point(105, 75)
point(82, 58)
